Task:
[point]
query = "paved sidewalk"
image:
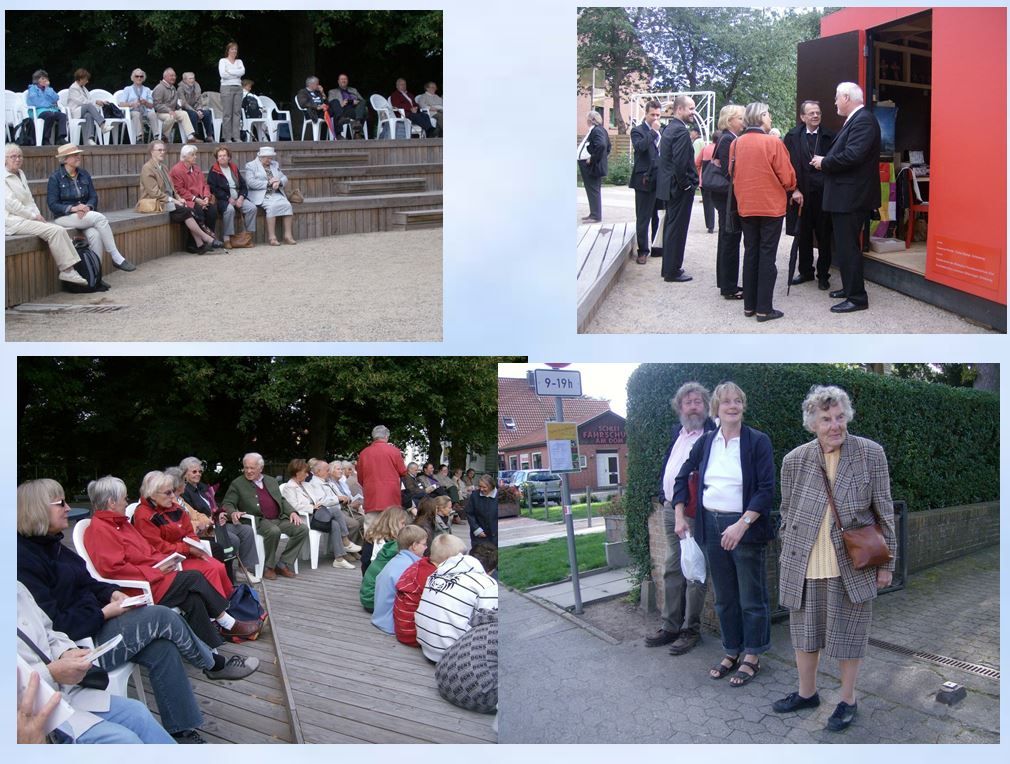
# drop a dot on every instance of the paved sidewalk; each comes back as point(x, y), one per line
point(642, 303)
point(562, 684)
point(526, 530)
point(594, 587)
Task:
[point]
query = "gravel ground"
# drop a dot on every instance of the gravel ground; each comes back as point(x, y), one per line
point(640, 302)
point(319, 290)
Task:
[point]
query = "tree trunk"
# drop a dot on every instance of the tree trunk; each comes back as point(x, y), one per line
point(988, 377)
point(615, 89)
point(317, 408)
point(303, 58)
point(433, 425)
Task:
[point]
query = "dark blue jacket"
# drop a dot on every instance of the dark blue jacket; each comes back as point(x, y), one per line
point(709, 426)
point(482, 512)
point(61, 585)
point(758, 468)
point(64, 193)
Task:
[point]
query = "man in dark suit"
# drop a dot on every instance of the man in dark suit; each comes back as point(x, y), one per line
point(645, 142)
point(851, 190)
point(676, 181)
point(804, 142)
point(683, 600)
point(595, 148)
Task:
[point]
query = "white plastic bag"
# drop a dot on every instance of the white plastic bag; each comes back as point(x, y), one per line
point(692, 560)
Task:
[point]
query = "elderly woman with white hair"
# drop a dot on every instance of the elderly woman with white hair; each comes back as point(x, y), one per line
point(266, 184)
point(158, 194)
point(833, 483)
point(240, 535)
point(191, 184)
point(592, 158)
point(154, 636)
point(327, 501)
point(23, 218)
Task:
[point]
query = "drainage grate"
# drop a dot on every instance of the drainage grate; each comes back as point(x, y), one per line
point(941, 660)
point(47, 307)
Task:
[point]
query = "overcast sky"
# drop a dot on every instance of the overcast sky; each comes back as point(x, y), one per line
point(599, 380)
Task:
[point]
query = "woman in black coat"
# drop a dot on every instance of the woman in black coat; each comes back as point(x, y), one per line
point(482, 512)
point(229, 188)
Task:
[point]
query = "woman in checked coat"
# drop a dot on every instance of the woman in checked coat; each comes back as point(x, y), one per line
point(829, 600)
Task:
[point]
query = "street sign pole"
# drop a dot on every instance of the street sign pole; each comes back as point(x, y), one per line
point(566, 504)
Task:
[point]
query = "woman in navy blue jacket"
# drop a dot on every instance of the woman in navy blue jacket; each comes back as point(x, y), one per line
point(73, 200)
point(735, 492)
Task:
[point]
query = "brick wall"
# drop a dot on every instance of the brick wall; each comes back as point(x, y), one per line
point(934, 536)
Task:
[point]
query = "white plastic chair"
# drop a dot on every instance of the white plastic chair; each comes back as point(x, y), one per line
point(216, 121)
point(29, 111)
point(120, 676)
point(120, 98)
point(260, 548)
point(308, 124)
point(79, 528)
point(269, 108)
point(113, 122)
point(249, 122)
point(388, 116)
point(315, 537)
point(73, 123)
point(13, 112)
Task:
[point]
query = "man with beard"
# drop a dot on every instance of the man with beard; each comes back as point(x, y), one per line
point(683, 599)
point(676, 181)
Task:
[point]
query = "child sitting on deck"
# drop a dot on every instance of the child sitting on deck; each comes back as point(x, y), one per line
point(381, 535)
point(411, 584)
point(411, 541)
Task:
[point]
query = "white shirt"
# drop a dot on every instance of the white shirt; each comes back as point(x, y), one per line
point(678, 455)
point(724, 476)
point(853, 112)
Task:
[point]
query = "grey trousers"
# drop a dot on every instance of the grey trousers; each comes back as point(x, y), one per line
point(338, 528)
point(683, 599)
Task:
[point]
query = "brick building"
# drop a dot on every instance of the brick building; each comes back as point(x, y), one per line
point(522, 441)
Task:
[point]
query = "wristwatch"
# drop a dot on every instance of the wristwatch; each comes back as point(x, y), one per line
point(747, 520)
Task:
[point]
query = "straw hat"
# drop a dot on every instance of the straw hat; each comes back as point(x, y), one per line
point(67, 149)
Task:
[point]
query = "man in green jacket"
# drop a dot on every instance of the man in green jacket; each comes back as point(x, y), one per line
point(258, 495)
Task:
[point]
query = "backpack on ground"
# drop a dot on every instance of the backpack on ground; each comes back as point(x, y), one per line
point(244, 605)
point(90, 269)
point(24, 133)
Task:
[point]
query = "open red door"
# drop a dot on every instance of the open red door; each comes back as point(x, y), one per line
point(821, 64)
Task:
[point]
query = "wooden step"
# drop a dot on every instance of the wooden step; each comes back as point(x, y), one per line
point(411, 219)
point(328, 159)
point(380, 186)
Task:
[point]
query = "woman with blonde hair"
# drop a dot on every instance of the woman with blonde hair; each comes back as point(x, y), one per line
point(727, 257)
point(380, 548)
point(736, 485)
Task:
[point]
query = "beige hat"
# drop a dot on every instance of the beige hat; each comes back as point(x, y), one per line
point(67, 149)
point(266, 151)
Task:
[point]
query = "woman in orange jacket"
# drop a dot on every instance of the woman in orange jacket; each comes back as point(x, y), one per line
point(762, 177)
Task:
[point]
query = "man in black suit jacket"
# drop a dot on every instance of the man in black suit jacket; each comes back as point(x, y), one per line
point(594, 169)
point(645, 142)
point(804, 142)
point(851, 190)
point(676, 181)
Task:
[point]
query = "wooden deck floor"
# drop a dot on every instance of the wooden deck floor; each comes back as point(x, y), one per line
point(603, 250)
point(349, 682)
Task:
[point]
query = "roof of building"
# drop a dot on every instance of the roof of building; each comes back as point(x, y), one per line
point(522, 413)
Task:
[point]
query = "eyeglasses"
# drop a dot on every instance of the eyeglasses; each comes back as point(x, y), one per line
point(138, 77)
point(60, 503)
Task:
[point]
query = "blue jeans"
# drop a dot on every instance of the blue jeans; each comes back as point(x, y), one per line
point(741, 588)
point(126, 721)
point(156, 637)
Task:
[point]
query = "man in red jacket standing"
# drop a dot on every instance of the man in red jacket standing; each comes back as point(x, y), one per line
point(380, 466)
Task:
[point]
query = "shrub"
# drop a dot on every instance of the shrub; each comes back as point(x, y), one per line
point(941, 442)
point(619, 167)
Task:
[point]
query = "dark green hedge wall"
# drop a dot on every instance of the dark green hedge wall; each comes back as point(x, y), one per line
point(942, 443)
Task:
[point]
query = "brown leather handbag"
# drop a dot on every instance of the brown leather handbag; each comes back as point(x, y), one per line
point(691, 508)
point(148, 205)
point(295, 195)
point(865, 544)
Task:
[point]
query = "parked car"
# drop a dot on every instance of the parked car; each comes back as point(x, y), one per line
point(541, 485)
point(505, 477)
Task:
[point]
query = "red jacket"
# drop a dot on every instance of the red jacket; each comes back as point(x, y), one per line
point(119, 551)
point(165, 530)
point(408, 597)
point(189, 182)
point(379, 468)
point(762, 174)
point(401, 101)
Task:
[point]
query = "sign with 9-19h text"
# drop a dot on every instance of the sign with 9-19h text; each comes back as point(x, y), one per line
point(562, 447)
point(558, 382)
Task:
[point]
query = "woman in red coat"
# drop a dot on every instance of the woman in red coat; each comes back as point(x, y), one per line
point(165, 523)
point(762, 176)
point(119, 552)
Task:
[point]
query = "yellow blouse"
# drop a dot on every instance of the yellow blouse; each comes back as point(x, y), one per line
point(823, 561)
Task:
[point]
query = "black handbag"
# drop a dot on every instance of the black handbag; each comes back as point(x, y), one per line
point(97, 678)
point(111, 111)
point(732, 219)
point(320, 520)
point(713, 179)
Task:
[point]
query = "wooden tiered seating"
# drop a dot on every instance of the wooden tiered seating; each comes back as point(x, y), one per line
point(349, 187)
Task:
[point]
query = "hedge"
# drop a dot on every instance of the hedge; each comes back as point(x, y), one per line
point(942, 443)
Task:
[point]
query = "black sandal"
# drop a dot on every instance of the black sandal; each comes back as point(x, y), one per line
point(742, 677)
point(719, 670)
point(734, 296)
point(749, 313)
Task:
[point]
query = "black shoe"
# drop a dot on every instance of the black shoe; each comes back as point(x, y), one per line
point(217, 244)
point(848, 306)
point(187, 736)
point(771, 316)
point(711, 230)
point(841, 718)
point(687, 640)
point(680, 278)
point(126, 265)
point(661, 637)
point(794, 702)
point(797, 280)
point(837, 294)
point(823, 286)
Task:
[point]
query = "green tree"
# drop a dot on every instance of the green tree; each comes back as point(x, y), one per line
point(608, 40)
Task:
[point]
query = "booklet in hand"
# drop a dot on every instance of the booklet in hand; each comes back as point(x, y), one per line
point(140, 599)
point(169, 562)
point(103, 648)
point(194, 543)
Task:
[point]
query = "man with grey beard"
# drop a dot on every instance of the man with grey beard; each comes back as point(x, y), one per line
point(683, 599)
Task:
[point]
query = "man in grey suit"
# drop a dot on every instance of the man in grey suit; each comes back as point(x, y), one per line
point(676, 182)
point(645, 142)
point(851, 191)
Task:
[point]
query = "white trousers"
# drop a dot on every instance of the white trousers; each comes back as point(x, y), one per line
point(97, 230)
point(56, 237)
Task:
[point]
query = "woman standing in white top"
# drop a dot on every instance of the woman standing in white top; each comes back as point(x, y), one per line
point(736, 485)
point(231, 70)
